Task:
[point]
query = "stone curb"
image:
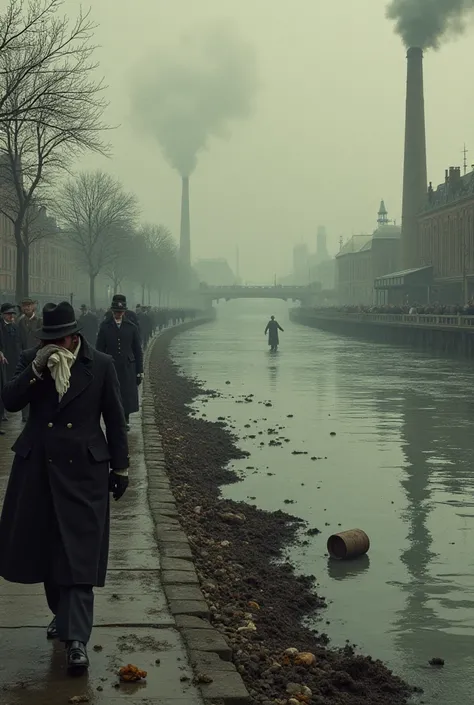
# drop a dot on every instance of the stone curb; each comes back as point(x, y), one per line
point(209, 652)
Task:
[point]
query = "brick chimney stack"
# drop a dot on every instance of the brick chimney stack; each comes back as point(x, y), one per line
point(414, 171)
point(185, 233)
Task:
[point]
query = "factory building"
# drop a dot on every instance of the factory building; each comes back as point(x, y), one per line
point(364, 258)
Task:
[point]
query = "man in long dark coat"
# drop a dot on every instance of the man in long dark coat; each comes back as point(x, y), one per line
point(54, 527)
point(119, 337)
point(272, 329)
point(11, 338)
point(11, 343)
point(89, 325)
point(28, 326)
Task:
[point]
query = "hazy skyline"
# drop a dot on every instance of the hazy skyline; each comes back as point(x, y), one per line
point(324, 143)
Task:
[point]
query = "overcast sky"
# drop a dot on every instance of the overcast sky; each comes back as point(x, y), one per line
point(325, 141)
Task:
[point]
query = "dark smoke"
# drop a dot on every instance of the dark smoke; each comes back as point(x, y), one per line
point(424, 23)
point(187, 97)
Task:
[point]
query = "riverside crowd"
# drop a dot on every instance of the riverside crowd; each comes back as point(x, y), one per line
point(20, 324)
point(438, 309)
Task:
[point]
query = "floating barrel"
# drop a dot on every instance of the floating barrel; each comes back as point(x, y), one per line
point(348, 544)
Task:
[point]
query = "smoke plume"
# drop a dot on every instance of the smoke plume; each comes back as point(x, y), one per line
point(194, 93)
point(425, 23)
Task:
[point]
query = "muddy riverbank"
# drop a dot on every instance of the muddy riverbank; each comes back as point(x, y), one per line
point(257, 602)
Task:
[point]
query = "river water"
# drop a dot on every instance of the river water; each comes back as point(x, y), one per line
point(400, 467)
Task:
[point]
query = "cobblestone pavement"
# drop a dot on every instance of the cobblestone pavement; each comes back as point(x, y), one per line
point(132, 621)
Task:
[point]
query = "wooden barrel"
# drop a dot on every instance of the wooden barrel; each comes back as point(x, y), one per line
point(348, 544)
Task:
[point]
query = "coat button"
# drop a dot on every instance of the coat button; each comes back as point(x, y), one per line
point(69, 425)
point(50, 425)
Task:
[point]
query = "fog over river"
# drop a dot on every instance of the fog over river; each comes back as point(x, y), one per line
point(399, 467)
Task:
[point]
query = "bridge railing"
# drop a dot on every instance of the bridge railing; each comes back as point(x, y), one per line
point(431, 319)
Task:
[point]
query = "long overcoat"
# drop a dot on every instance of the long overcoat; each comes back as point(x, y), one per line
point(11, 347)
point(89, 324)
point(123, 344)
point(55, 518)
point(272, 329)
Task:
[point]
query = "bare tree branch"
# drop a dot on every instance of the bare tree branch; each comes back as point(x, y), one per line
point(50, 107)
point(96, 215)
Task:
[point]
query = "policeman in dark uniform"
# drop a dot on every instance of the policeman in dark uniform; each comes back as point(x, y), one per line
point(119, 337)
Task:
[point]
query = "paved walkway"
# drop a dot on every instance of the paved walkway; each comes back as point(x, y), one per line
point(132, 621)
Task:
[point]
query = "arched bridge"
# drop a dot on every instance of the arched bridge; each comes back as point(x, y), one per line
point(287, 293)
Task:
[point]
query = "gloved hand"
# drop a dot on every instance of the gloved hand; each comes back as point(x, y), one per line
point(117, 484)
point(42, 357)
point(139, 380)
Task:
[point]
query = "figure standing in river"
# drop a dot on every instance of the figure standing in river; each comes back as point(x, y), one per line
point(272, 329)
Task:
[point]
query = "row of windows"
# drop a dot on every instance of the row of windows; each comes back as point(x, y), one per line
point(446, 241)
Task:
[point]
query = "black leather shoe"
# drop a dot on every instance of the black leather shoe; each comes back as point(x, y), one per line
point(77, 659)
point(52, 632)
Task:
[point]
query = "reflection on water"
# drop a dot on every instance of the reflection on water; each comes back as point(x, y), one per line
point(399, 467)
point(344, 570)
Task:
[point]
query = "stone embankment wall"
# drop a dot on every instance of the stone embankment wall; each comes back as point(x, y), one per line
point(209, 652)
point(437, 339)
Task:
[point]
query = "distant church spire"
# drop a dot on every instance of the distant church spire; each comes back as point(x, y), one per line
point(383, 214)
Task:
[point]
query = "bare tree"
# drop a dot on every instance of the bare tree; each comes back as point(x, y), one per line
point(33, 39)
point(96, 214)
point(124, 253)
point(155, 261)
point(50, 111)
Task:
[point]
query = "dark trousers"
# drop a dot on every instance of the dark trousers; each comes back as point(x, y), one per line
point(73, 607)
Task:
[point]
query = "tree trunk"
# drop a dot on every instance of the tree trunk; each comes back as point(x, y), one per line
point(92, 290)
point(26, 271)
point(20, 262)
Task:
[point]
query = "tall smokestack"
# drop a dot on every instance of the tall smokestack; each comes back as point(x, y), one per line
point(185, 234)
point(414, 171)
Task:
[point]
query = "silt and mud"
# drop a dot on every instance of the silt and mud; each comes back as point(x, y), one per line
point(256, 599)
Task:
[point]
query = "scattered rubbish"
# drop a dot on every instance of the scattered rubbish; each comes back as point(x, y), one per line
point(100, 688)
point(157, 662)
point(305, 658)
point(348, 544)
point(232, 518)
point(79, 699)
point(249, 627)
point(184, 679)
point(291, 652)
point(254, 605)
point(290, 416)
point(436, 661)
point(228, 382)
point(98, 647)
point(202, 678)
point(333, 433)
point(131, 674)
point(313, 532)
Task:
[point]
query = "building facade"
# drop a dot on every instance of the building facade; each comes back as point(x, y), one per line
point(445, 237)
point(364, 258)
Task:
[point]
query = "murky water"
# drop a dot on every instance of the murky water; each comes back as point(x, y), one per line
point(400, 467)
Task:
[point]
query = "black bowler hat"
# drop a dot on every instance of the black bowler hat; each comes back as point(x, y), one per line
point(8, 308)
point(119, 303)
point(59, 320)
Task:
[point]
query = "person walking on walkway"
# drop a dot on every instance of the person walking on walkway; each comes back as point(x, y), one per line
point(54, 526)
point(89, 325)
point(272, 329)
point(119, 337)
point(28, 326)
point(11, 343)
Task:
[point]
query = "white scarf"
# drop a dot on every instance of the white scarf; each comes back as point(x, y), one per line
point(59, 365)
